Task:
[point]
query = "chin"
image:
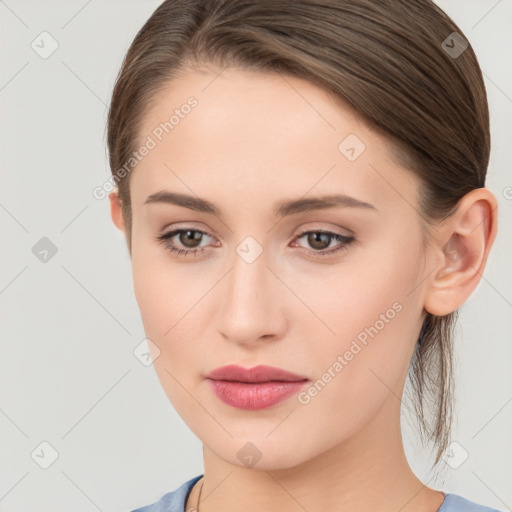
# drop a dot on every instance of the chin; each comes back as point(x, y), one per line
point(259, 453)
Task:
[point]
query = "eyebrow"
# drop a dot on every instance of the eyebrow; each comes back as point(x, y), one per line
point(283, 208)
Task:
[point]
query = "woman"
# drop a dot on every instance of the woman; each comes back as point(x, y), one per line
point(302, 189)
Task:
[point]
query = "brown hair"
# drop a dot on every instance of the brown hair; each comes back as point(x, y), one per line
point(388, 60)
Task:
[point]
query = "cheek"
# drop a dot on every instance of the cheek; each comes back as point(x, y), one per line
point(164, 291)
point(362, 367)
point(173, 303)
point(373, 318)
point(169, 304)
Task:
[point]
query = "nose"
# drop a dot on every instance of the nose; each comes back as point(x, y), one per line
point(251, 303)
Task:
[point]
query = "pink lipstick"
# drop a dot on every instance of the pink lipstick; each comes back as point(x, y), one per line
point(254, 388)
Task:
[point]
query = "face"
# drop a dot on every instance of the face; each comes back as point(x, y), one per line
point(272, 272)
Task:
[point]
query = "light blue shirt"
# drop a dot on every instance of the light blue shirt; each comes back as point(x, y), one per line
point(175, 501)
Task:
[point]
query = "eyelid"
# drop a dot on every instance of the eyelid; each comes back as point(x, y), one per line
point(323, 229)
point(171, 233)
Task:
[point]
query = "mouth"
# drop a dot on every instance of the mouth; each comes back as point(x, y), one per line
point(254, 388)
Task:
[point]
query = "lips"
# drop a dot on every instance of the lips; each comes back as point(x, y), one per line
point(261, 373)
point(254, 388)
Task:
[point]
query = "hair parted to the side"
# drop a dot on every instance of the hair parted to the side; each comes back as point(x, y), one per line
point(385, 60)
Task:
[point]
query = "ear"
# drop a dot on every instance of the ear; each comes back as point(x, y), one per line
point(115, 210)
point(460, 252)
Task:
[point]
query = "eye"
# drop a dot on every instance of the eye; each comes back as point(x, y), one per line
point(189, 238)
point(321, 240)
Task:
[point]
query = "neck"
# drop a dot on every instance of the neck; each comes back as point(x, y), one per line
point(369, 471)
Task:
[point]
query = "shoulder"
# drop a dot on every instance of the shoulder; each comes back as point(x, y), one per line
point(173, 501)
point(456, 503)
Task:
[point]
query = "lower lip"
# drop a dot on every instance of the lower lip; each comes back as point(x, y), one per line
point(252, 396)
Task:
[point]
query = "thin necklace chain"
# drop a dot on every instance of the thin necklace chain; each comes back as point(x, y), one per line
point(199, 497)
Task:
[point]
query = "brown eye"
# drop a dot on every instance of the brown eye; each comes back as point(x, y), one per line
point(189, 238)
point(188, 241)
point(321, 240)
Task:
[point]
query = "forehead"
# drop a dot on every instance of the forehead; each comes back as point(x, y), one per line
point(267, 133)
point(241, 102)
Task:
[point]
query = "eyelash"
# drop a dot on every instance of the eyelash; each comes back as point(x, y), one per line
point(165, 237)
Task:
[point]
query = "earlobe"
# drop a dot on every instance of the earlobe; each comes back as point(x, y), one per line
point(464, 243)
point(116, 211)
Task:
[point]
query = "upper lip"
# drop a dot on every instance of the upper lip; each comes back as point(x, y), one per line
point(261, 373)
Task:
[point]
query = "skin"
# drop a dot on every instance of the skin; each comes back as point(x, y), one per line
point(253, 140)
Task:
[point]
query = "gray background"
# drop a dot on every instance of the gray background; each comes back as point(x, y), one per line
point(68, 375)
